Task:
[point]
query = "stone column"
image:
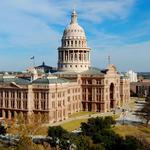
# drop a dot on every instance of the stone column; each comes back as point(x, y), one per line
point(9, 99)
point(9, 114)
point(21, 100)
point(67, 56)
point(68, 53)
point(73, 56)
point(63, 56)
point(77, 55)
point(39, 100)
point(62, 114)
point(86, 104)
point(30, 100)
point(15, 114)
point(21, 114)
point(4, 99)
point(56, 115)
point(15, 99)
point(3, 114)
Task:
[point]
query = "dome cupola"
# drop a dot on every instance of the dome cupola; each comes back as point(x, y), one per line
point(74, 30)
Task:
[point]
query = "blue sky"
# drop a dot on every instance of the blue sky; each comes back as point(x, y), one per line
point(119, 28)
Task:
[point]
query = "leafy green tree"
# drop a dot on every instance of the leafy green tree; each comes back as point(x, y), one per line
point(2, 129)
point(59, 136)
point(86, 143)
point(131, 143)
point(96, 124)
point(109, 138)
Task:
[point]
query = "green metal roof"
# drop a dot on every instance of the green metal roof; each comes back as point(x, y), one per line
point(50, 81)
point(16, 80)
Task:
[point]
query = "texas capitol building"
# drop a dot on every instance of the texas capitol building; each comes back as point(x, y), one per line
point(76, 86)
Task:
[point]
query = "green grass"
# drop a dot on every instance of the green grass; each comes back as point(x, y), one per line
point(116, 116)
point(69, 126)
point(72, 125)
point(82, 113)
point(133, 130)
point(132, 103)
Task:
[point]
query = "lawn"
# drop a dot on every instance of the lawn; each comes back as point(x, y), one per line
point(82, 113)
point(134, 130)
point(69, 126)
point(72, 125)
point(132, 103)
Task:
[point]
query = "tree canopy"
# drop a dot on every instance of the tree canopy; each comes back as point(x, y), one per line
point(2, 129)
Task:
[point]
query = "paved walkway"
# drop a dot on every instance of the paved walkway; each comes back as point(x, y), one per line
point(128, 116)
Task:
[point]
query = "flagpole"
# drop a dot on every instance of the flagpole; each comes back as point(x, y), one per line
point(33, 61)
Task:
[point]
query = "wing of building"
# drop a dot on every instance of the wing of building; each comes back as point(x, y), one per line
point(76, 86)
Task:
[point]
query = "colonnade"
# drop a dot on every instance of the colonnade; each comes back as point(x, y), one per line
point(74, 56)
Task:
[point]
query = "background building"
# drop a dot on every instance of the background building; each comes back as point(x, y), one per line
point(141, 88)
point(132, 76)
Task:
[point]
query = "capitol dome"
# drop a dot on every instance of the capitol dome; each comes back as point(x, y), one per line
point(73, 54)
point(74, 30)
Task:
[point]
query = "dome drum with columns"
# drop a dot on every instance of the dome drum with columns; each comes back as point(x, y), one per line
point(74, 55)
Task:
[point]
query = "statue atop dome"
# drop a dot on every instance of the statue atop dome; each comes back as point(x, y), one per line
point(73, 17)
